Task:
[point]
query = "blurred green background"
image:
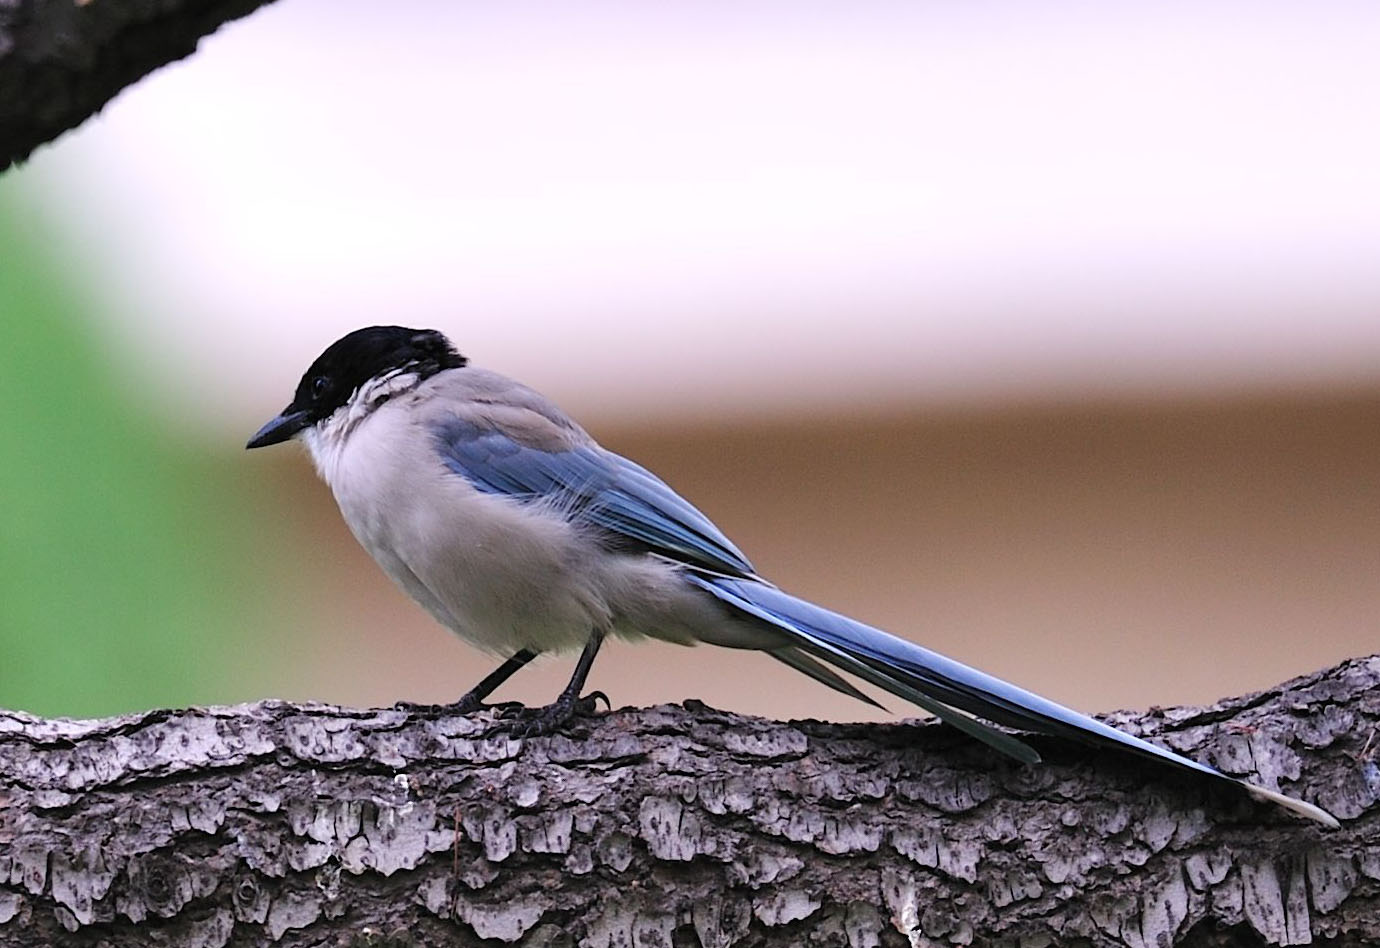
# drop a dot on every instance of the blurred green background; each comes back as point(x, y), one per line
point(1053, 347)
point(129, 575)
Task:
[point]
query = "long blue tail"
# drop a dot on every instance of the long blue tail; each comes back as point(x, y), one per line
point(948, 689)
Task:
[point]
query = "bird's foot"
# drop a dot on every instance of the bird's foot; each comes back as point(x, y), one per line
point(417, 707)
point(470, 703)
point(465, 705)
point(562, 711)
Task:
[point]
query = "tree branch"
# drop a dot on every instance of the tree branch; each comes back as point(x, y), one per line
point(62, 60)
point(313, 825)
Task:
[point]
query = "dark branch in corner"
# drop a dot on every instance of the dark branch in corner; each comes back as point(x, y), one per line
point(310, 825)
point(61, 61)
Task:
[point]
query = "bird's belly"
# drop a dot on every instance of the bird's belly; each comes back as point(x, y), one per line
point(493, 570)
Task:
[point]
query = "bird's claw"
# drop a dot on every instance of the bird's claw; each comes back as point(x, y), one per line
point(562, 711)
point(465, 705)
point(589, 704)
point(416, 707)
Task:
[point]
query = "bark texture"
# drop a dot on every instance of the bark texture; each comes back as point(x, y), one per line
point(62, 60)
point(286, 824)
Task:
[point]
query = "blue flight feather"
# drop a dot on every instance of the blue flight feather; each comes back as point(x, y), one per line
point(595, 486)
point(826, 633)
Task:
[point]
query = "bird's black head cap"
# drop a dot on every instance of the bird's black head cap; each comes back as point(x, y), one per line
point(351, 361)
point(367, 353)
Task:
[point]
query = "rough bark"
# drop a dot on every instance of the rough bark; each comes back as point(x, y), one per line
point(61, 61)
point(277, 823)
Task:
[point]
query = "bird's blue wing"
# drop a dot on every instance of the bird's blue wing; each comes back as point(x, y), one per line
point(590, 485)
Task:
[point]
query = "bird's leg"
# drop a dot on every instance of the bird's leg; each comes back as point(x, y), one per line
point(473, 700)
point(569, 703)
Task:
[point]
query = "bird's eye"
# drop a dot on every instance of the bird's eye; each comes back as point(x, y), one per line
point(319, 386)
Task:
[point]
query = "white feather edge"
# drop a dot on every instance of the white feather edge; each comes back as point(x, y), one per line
point(1306, 810)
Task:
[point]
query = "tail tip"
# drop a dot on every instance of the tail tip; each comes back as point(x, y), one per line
point(1307, 810)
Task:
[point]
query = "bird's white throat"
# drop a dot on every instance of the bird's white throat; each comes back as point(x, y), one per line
point(327, 438)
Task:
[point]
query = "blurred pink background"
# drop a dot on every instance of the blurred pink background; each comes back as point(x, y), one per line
point(1048, 336)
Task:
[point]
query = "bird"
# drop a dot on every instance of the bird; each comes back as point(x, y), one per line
point(518, 532)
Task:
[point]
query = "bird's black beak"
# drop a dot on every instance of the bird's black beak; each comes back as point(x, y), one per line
point(287, 424)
